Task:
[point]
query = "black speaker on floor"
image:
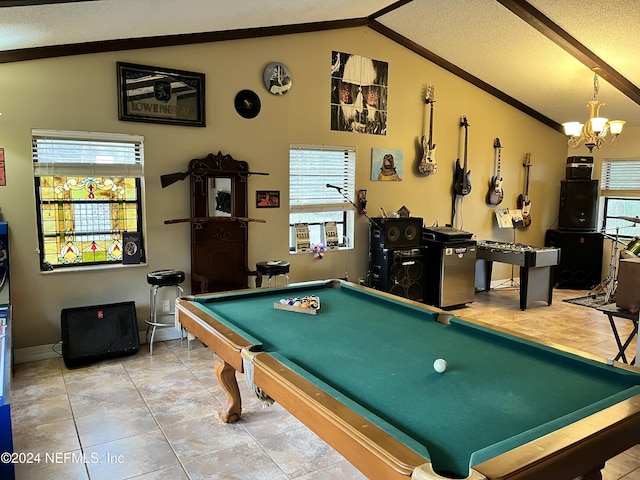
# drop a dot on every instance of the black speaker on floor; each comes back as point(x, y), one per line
point(578, 205)
point(580, 258)
point(98, 332)
point(399, 271)
point(396, 232)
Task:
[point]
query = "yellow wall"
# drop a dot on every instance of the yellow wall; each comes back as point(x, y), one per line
point(79, 93)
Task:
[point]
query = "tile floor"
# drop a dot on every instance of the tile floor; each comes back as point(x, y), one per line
point(155, 417)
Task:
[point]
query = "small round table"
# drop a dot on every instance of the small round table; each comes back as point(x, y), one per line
point(272, 268)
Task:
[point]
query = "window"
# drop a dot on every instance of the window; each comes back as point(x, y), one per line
point(88, 190)
point(311, 201)
point(620, 189)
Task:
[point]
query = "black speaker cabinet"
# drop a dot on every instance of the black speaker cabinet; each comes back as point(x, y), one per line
point(396, 232)
point(98, 332)
point(399, 271)
point(580, 264)
point(578, 205)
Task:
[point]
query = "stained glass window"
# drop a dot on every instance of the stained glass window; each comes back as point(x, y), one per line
point(83, 213)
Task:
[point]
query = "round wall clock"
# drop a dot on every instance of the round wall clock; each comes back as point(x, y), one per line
point(277, 78)
point(247, 104)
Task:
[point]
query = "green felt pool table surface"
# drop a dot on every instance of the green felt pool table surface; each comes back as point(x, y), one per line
point(375, 354)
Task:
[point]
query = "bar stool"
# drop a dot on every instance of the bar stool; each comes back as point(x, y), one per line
point(157, 280)
point(272, 268)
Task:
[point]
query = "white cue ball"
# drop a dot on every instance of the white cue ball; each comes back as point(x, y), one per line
point(440, 365)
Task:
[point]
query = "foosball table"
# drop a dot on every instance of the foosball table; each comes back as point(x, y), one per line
point(536, 263)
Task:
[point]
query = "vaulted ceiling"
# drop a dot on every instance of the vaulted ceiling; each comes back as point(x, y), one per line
point(538, 55)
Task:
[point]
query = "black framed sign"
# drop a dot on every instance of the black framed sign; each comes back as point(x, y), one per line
point(160, 95)
point(268, 199)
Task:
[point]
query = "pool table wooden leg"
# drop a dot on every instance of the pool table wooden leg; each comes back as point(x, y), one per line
point(226, 375)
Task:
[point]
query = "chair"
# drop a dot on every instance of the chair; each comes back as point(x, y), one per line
point(272, 268)
point(158, 280)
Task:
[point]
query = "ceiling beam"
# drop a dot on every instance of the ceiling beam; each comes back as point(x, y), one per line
point(102, 46)
point(577, 50)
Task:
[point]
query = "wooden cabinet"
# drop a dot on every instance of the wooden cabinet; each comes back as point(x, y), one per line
point(219, 223)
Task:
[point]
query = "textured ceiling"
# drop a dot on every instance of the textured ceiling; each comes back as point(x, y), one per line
point(483, 38)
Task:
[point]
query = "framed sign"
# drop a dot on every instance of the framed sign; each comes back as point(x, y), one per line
point(160, 95)
point(268, 199)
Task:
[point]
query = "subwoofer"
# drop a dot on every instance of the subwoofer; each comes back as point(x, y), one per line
point(98, 332)
point(578, 205)
point(581, 253)
point(399, 272)
point(395, 232)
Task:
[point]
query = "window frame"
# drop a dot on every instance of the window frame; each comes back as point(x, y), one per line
point(620, 182)
point(59, 154)
point(325, 199)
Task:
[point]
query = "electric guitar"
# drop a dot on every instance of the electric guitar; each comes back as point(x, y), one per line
point(428, 165)
point(462, 182)
point(523, 200)
point(495, 194)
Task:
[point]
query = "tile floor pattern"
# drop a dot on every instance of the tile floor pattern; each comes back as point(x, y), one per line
point(155, 417)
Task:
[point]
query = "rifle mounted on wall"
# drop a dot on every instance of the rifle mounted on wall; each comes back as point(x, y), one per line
point(202, 167)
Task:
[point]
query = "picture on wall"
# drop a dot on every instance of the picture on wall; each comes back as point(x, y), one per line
point(358, 94)
point(160, 95)
point(386, 164)
point(268, 199)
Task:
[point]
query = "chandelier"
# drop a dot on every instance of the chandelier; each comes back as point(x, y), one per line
point(594, 131)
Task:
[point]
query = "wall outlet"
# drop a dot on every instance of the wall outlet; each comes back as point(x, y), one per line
point(166, 306)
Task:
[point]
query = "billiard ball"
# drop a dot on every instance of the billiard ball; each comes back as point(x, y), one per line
point(440, 365)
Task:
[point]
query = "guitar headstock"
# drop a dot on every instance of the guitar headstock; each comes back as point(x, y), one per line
point(464, 122)
point(527, 159)
point(430, 97)
point(496, 143)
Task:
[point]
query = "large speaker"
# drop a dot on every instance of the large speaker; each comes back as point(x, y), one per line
point(580, 258)
point(396, 232)
point(98, 332)
point(578, 205)
point(399, 271)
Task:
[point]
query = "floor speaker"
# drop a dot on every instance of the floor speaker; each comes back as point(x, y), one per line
point(578, 205)
point(98, 332)
point(396, 232)
point(580, 258)
point(399, 272)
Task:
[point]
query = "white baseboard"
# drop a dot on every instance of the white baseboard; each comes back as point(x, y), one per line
point(43, 352)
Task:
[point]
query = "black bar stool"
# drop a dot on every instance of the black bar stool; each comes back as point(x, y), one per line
point(157, 280)
point(272, 268)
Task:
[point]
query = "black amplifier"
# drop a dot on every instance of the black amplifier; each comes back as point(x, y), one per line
point(579, 168)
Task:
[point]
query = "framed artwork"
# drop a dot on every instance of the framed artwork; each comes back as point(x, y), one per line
point(160, 95)
point(359, 92)
point(268, 199)
point(386, 164)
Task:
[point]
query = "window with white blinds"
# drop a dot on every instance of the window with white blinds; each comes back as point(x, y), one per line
point(88, 189)
point(311, 201)
point(57, 152)
point(620, 197)
point(620, 175)
point(311, 169)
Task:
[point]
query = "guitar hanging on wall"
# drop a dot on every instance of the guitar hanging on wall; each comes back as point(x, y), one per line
point(523, 200)
point(461, 179)
point(495, 194)
point(428, 164)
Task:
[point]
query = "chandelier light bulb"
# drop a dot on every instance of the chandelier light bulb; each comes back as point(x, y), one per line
point(615, 126)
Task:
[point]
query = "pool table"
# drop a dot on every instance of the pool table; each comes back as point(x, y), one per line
point(360, 374)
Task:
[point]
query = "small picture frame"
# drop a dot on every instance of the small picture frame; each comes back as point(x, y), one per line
point(267, 198)
point(160, 95)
